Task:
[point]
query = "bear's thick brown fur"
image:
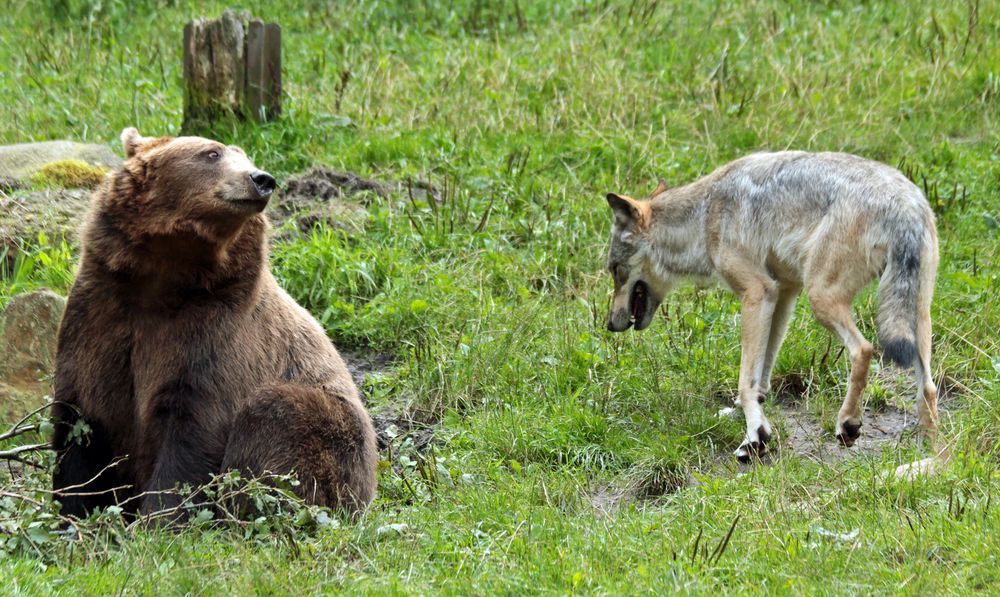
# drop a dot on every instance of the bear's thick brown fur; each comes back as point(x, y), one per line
point(184, 355)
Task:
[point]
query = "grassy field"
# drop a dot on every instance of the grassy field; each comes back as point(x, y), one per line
point(566, 459)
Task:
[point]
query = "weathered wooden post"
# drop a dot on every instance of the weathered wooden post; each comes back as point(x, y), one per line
point(232, 67)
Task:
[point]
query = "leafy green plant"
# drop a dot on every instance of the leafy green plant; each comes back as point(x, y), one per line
point(43, 264)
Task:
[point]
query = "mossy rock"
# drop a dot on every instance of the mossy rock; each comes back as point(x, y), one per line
point(19, 162)
point(69, 174)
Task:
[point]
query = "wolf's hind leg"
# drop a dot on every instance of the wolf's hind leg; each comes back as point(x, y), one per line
point(927, 392)
point(927, 417)
point(927, 411)
point(834, 313)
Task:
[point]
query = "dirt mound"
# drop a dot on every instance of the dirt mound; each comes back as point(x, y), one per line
point(338, 199)
point(319, 195)
point(323, 184)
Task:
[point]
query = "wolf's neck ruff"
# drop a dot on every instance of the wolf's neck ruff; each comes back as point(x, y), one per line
point(678, 249)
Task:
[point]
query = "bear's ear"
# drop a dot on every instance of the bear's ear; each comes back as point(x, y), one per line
point(132, 141)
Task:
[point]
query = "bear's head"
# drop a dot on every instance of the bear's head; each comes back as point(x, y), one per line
point(189, 185)
point(179, 203)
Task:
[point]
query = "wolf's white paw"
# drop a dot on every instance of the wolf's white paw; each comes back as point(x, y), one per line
point(918, 468)
point(755, 445)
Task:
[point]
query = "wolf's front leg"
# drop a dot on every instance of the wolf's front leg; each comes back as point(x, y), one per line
point(758, 299)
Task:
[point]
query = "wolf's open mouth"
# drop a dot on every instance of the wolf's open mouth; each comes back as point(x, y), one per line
point(638, 300)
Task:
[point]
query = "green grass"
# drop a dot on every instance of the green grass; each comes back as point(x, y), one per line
point(532, 111)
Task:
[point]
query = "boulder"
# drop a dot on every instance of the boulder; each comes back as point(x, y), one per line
point(29, 328)
point(19, 162)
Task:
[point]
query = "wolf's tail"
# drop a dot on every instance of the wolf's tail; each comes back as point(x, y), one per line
point(899, 291)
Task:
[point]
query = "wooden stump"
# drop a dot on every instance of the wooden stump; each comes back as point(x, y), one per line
point(232, 68)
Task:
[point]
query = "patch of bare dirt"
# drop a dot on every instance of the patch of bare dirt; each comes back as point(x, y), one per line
point(339, 199)
point(801, 432)
point(606, 500)
point(396, 423)
point(360, 364)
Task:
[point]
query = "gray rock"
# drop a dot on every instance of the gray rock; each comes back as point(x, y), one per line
point(29, 328)
point(19, 162)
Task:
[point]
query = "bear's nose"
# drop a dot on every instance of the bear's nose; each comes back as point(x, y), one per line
point(264, 182)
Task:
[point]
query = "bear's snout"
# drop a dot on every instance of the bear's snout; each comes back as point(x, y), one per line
point(263, 182)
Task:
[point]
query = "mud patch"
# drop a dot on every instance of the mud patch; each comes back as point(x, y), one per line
point(360, 364)
point(339, 199)
point(395, 426)
point(884, 424)
point(800, 433)
point(396, 423)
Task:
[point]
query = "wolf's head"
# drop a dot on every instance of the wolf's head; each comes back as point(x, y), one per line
point(638, 291)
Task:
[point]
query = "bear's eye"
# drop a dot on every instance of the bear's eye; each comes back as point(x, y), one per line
point(213, 155)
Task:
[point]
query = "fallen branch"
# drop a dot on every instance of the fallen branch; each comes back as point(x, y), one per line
point(15, 453)
point(20, 428)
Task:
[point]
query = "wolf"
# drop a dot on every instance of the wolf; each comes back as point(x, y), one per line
point(769, 225)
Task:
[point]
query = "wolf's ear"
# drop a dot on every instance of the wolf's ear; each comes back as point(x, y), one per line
point(132, 141)
point(628, 211)
point(662, 186)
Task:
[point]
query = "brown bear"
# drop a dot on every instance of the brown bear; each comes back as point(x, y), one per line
point(184, 356)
